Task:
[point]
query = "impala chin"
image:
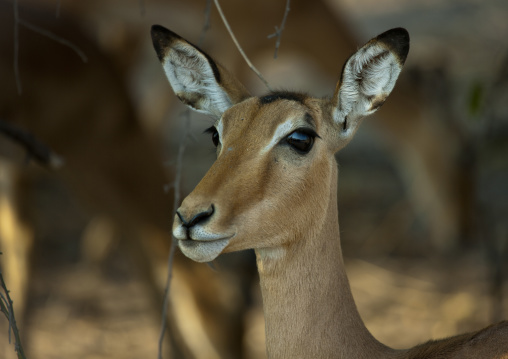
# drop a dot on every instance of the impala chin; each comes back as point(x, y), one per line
point(202, 251)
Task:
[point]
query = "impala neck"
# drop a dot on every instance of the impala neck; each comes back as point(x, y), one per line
point(308, 306)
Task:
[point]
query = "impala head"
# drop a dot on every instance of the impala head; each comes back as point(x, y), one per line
point(275, 172)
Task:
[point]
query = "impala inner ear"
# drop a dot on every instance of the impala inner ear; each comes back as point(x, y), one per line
point(195, 77)
point(367, 79)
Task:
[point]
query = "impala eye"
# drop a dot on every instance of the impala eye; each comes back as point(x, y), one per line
point(301, 140)
point(215, 135)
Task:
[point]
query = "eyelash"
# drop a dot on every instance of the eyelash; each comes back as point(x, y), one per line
point(303, 144)
point(215, 135)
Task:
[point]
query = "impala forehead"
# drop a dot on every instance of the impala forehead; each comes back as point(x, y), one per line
point(265, 124)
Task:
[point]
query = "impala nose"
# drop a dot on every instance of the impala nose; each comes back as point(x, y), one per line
point(197, 218)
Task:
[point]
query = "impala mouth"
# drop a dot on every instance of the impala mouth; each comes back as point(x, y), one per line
point(203, 251)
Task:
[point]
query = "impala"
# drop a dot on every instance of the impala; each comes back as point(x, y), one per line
point(273, 188)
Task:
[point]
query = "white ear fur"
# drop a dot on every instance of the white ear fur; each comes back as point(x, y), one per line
point(368, 78)
point(192, 78)
point(195, 78)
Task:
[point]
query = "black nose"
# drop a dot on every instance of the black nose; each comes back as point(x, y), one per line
point(200, 217)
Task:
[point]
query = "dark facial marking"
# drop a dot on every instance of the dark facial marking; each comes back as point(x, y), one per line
point(310, 120)
point(274, 96)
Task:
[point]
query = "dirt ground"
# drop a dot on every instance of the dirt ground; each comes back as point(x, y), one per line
point(85, 311)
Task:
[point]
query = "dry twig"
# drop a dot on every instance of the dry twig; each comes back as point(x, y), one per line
point(34, 148)
point(16, 47)
point(17, 22)
point(176, 202)
point(54, 37)
point(207, 25)
point(279, 29)
point(175, 185)
point(58, 7)
point(142, 10)
point(252, 67)
point(6, 307)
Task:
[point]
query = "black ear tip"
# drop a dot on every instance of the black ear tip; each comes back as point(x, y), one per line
point(157, 28)
point(162, 38)
point(397, 40)
point(158, 31)
point(398, 32)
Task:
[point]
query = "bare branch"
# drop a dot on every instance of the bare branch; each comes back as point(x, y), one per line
point(175, 185)
point(3, 304)
point(54, 37)
point(16, 47)
point(207, 25)
point(58, 6)
point(279, 29)
point(49, 34)
point(176, 202)
point(6, 307)
point(252, 67)
point(142, 9)
point(35, 149)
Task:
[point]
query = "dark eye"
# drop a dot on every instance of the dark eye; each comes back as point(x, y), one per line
point(301, 140)
point(215, 135)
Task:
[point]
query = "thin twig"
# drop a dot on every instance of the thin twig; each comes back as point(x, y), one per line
point(6, 307)
point(16, 47)
point(54, 37)
point(142, 10)
point(279, 29)
point(175, 185)
point(176, 203)
point(252, 67)
point(58, 6)
point(207, 25)
point(34, 148)
point(49, 34)
point(3, 304)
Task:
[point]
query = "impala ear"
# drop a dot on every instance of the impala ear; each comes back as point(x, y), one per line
point(367, 79)
point(196, 79)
